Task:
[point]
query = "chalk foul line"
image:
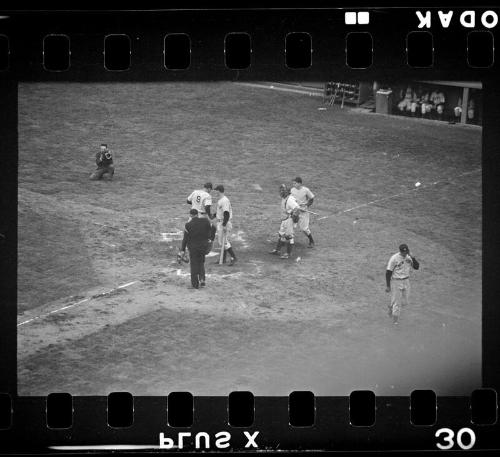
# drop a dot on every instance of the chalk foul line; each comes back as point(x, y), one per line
point(397, 195)
point(103, 294)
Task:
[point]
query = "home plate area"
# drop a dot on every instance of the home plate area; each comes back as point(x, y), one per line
point(215, 271)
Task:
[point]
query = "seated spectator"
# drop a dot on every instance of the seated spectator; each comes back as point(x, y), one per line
point(425, 104)
point(470, 110)
point(405, 103)
point(416, 101)
point(438, 100)
point(457, 111)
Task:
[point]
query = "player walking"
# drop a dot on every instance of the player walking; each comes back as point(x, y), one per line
point(197, 238)
point(397, 280)
point(305, 199)
point(201, 200)
point(224, 217)
point(104, 162)
point(289, 216)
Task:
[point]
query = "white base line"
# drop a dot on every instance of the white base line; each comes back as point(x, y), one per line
point(397, 195)
point(126, 285)
point(318, 219)
point(75, 304)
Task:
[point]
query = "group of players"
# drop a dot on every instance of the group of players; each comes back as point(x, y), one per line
point(201, 229)
point(295, 204)
point(205, 224)
point(421, 102)
point(199, 235)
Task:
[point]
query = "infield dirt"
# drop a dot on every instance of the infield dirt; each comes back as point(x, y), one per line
point(266, 325)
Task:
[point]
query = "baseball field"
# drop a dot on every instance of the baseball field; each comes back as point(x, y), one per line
point(103, 306)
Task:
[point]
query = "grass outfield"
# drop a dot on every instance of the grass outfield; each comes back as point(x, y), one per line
point(323, 309)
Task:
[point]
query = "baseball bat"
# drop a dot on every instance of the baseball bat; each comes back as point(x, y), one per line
point(221, 257)
point(310, 212)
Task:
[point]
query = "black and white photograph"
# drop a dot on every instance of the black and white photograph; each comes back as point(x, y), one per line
point(264, 236)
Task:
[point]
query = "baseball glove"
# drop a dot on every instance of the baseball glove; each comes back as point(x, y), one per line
point(182, 257)
point(295, 216)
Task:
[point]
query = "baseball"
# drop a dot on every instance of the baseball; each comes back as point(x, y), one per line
point(297, 259)
point(417, 184)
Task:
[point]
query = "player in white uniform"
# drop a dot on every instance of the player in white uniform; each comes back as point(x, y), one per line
point(305, 199)
point(470, 109)
point(397, 280)
point(224, 217)
point(425, 104)
point(438, 100)
point(201, 200)
point(289, 216)
point(406, 103)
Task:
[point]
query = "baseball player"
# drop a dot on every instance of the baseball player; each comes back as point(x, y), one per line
point(224, 217)
point(305, 199)
point(416, 101)
point(289, 216)
point(397, 280)
point(104, 162)
point(201, 200)
point(197, 238)
point(406, 103)
point(470, 109)
point(438, 100)
point(425, 104)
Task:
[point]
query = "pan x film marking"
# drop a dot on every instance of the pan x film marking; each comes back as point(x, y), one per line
point(222, 440)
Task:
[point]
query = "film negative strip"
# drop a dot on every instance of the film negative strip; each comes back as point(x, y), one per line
point(212, 221)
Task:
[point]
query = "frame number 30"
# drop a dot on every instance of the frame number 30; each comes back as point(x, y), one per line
point(448, 434)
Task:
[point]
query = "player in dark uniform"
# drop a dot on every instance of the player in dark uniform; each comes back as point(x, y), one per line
point(104, 162)
point(198, 238)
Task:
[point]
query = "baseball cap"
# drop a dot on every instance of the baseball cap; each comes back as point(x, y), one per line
point(193, 212)
point(298, 179)
point(208, 185)
point(219, 188)
point(404, 248)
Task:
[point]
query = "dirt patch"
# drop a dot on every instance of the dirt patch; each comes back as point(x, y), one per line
point(315, 322)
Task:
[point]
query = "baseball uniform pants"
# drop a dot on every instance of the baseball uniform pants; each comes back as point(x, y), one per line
point(400, 294)
point(303, 223)
point(220, 234)
point(404, 104)
point(286, 231)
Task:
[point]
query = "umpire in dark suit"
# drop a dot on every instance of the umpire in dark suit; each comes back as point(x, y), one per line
point(198, 238)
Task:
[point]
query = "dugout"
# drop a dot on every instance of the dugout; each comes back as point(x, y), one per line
point(463, 100)
point(464, 94)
